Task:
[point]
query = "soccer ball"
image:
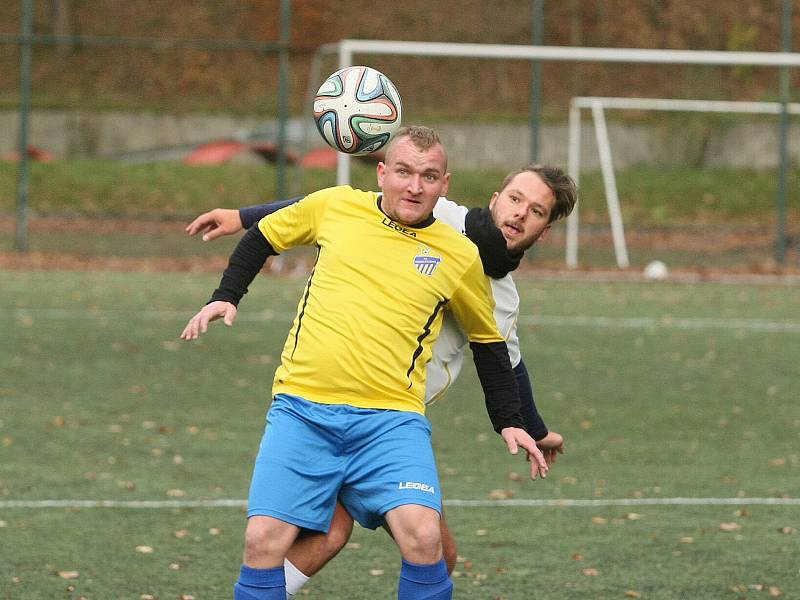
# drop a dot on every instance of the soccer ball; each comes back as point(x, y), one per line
point(656, 271)
point(357, 110)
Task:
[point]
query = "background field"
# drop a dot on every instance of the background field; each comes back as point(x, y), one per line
point(245, 81)
point(679, 402)
point(122, 87)
point(93, 211)
point(661, 390)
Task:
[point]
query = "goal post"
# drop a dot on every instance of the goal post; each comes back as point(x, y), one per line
point(597, 105)
point(347, 49)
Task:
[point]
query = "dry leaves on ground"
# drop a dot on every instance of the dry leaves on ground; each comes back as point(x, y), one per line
point(69, 574)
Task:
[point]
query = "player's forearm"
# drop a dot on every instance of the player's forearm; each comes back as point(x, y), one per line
point(481, 230)
point(499, 384)
point(250, 215)
point(246, 261)
point(534, 424)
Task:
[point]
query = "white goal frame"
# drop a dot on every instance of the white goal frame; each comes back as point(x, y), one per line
point(598, 105)
point(347, 49)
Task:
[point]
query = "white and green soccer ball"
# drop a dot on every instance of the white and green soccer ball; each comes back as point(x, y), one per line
point(357, 110)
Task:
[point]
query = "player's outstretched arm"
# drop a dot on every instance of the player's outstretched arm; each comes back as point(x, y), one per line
point(227, 221)
point(212, 311)
point(216, 223)
point(534, 423)
point(502, 401)
point(549, 442)
point(246, 261)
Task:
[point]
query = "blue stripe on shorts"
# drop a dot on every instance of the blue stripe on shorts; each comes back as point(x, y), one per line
point(312, 453)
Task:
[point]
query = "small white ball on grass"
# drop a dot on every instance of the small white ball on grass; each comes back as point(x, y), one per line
point(656, 271)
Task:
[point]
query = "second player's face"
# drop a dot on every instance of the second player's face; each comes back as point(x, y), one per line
point(522, 210)
point(412, 181)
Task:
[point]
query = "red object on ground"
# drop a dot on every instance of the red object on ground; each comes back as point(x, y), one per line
point(215, 153)
point(34, 153)
point(320, 158)
point(326, 158)
point(269, 151)
point(221, 152)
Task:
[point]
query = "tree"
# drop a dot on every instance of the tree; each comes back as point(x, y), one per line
point(62, 25)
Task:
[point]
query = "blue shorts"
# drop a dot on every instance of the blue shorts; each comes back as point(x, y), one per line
point(311, 453)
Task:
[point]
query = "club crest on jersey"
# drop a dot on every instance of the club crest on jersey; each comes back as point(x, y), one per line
point(425, 262)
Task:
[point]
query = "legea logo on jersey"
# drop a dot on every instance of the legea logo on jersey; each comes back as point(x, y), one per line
point(425, 262)
point(415, 485)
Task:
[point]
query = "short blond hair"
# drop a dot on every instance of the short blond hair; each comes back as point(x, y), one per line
point(422, 137)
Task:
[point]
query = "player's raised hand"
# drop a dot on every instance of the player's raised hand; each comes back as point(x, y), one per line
point(212, 311)
point(516, 438)
point(551, 446)
point(216, 223)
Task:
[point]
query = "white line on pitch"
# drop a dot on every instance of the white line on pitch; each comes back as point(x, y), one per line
point(761, 325)
point(564, 503)
point(664, 323)
point(122, 503)
point(577, 503)
point(78, 314)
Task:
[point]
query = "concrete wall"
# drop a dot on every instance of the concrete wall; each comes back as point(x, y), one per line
point(76, 133)
point(742, 145)
point(148, 136)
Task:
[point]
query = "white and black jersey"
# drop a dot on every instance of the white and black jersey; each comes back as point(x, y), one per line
point(448, 353)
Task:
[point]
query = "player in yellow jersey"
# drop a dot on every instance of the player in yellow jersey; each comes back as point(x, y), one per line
point(347, 415)
point(529, 200)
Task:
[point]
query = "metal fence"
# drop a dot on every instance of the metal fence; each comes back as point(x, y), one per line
point(435, 72)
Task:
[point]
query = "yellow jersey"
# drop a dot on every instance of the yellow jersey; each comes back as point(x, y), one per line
point(373, 305)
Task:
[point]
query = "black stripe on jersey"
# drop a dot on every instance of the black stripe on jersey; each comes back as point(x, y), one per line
point(305, 302)
point(426, 331)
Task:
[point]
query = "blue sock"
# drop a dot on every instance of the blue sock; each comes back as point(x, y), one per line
point(260, 584)
point(424, 582)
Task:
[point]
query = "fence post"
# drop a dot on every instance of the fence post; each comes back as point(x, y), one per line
point(783, 166)
point(536, 79)
point(281, 190)
point(21, 234)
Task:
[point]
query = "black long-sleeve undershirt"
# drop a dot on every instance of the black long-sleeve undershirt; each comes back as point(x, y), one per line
point(250, 215)
point(534, 424)
point(245, 263)
point(499, 384)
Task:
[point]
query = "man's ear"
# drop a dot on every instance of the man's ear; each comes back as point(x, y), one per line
point(544, 233)
point(380, 173)
point(494, 197)
point(446, 186)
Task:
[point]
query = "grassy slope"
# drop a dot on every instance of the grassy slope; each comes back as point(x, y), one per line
point(165, 190)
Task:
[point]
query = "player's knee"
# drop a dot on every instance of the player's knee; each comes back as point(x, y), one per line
point(338, 535)
point(256, 539)
point(263, 540)
point(425, 541)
